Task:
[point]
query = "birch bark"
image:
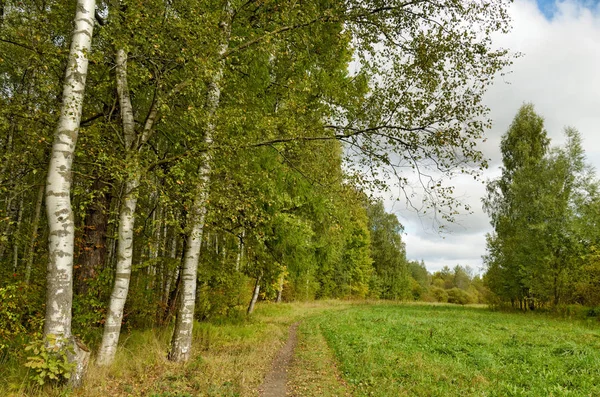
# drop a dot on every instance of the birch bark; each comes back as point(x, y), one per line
point(254, 295)
point(280, 289)
point(59, 295)
point(181, 342)
point(112, 325)
point(240, 254)
point(58, 182)
point(133, 144)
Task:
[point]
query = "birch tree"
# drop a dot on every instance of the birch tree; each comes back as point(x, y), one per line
point(59, 295)
point(181, 342)
point(133, 143)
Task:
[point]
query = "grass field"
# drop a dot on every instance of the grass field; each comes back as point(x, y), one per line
point(351, 349)
point(423, 350)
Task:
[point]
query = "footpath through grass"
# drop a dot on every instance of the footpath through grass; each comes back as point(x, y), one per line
point(428, 350)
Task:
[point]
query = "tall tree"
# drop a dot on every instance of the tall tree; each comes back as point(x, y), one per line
point(535, 207)
point(388, 252)
point(181, 342)
point(523, 148)
point(59, 296)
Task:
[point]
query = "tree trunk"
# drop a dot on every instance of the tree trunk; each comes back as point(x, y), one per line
point(112, 326)
point(59, 290)
point(34, 233)
point(94, 252)
point(181, 342)
point(16, 237)
point(171, 275)
point(173, 298)
point(254, 295)
point(280, 289)
point(240, 254)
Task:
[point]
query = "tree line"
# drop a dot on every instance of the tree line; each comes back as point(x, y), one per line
point(185, 150)
point(544, 210)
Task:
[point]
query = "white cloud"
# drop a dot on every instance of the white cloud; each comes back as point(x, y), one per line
point(560, 74)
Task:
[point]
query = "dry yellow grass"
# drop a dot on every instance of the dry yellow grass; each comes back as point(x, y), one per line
point(229, 358)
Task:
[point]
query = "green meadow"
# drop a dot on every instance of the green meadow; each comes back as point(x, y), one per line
point(435, 350)
point(355, 349)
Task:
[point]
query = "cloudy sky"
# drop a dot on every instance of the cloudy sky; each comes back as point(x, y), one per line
point(560, 74)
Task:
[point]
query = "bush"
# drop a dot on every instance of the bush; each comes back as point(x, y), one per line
point(49, 361)
point(223, 297)
point(18, 316)
point(460, 297)
point(416, 290)
point(593, 312)
point(439, 294)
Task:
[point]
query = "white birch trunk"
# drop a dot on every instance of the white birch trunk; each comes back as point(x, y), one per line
point(34, 233)
point(181, 342)
point(155, 249)
point(254, 295)
point(58, 183)
point(59, 296)
point(112, 325)
point(238, 259)
point(280, 289)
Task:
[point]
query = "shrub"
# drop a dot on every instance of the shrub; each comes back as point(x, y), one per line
point(18, 316)
point(49, 360)
point(460, 297)
point(440, 294)
point(416, 289)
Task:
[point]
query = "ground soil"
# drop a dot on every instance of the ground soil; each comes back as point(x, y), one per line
point(274, 384)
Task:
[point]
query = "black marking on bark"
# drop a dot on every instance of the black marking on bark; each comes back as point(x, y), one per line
point(62, 254)
point(124, 275)
point(56, 194)
point(61, 212)
point(112, 328)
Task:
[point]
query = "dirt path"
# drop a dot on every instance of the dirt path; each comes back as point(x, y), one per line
point(274, 384)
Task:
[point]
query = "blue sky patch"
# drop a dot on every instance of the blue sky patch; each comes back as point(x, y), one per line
point(549, 8)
